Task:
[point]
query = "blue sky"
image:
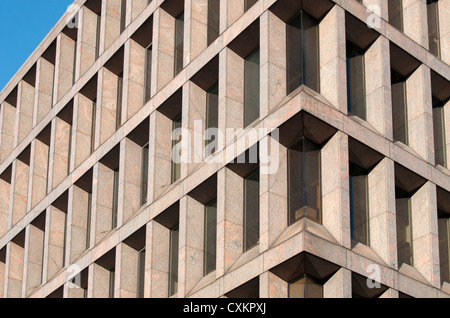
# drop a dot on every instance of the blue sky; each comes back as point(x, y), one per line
point(23, 25)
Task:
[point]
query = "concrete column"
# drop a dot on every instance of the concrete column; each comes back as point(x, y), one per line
point(382, 217)
point(339, 285)
point(420, 116)
point(20, 176)
point(163, 50)
point(2, 276)
point(14, 267)
point(157, 261)
point(230, 219)
point(44, 89)
point(102, 204)
point(332, 39)
point(54, 242)
point(444, 29)
point(78, 218)
point(234, 10)
point(100, 278)
point(127, 259)
point(191, 244)
point(196, 22)
point(378, 87)
point(134, 78)
point(38, 173)
point(272, 286)
point(60, 151)
point(415, 21)
point(273, 199)
point(272, 61)
point(134, 9)
point(5, 199)
point(65, 66)
point(110, 23)
point(88, 35)
point(382, 7)
point(107, 108)
point(425, 233)
point(159, 155)
point(7, 121)
point(83, 125)
point(335, 191)
point(24, 116)
point(34, 251)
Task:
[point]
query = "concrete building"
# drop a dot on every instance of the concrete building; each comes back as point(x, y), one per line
point(350, 98)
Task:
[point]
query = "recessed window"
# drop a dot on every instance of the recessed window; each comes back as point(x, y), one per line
point(144, 174)
point(213, 20)
point(212, 118)
point(141, 274)
point(248, 4)
point(404, 227)
point(115, 199)
point(306, 287)
point(119, 101)
point(359, 204)
point(179, 42)
point(433, 27)
point(176, 147)
point(210, 238)
point(304, 181)
point(112, 282)
point(444, 246)
point(148, 72)
point(302, 40)
point(251, 210)
point(251, 87)
point(396, 13)
point(399, 107)
point(356, 87)
point(173, 261)
point(440, 147)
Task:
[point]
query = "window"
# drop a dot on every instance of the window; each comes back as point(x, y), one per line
point(304, 181)
point(251, 87)
point(210, 237)
point(399, 107)
point(396, 13)
point(213, 20)
point(144, 175)
point(404, 227)
point(123, 15)
point(356, 90)
point(179, 34)
point(440, 147)
point(302, 34)
point(93, 118)
point(119, 101)
point(88, 221)
point(112, 281)
point(148, 73)
point(212, 118)
point(306, 287)
point(433, 27)
point(251, 210)
point(173, 261)
point(444, 246)
point(141, 274)
point(248, 4)
point(176, 146)
point(359, 204)
point(115, 201)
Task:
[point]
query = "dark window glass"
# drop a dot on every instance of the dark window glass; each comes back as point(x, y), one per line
point(251, 87)
point(148, 73)
point(399, 107)
point(213, 20)
point(356, 87)
point(69, 151)
point(248, 4)
point(251, 210)
point(88, 221)
point(444, 247)
point(396, 14)
point(359, 204)
point(141, 274)
point(115, 202)
point(144, 175)
point(433, 27)
point(173, 261)
point(93, 118)
point(112, 280)
point(179, 41)
point(97, 37)
point(440, 147)
point(119, 101)
point(210, 238)
point(212, 117)
point(302, 33)
point(304, 181)
point(404, 229)
point(123, 15)
point(176, 166)
point(306, 287)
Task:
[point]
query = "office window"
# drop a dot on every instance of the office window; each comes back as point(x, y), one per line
point(306, 287)
point(251, 87)
point(176, 165)
point(115, 199)
point(356, 87)
point(248, 4)
point(396, 13)
point(119, 101)
point(210, 237)
point(141, 274)
point(213, 20)
point(399, 107)
point(359, 204)
point(88, 221)
point(123, 15)
point(433, 27)
point(173, 261)
point(404, 227)
point(440, 147)
point(148, 73)
point(179, 42)
point(444, 246)
point(251, 210)
point(212, 118)
point(144, 175)
point(112, 281)
point(302, 33)
point(304, 182)
point(93, 118)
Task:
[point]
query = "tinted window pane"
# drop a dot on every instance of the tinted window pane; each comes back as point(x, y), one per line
point(251, 211)
point(173, 261)
point(251, 88)
point(313, 288)
point(148, 73)
point(213, 20)
point(119, 101)
point(306, 287)
point(396, 13)
point(440, 149)
point(404, 231)
point(210, 237)
point(294, 54)
point(359, 208)
point(356, 91)
point(144, 175)
point(399, 108)
point(433, 27)
point(141, 274)
point(444, 248)
point(179, 34)
point(248, 4)
point(115, 198)
point(212, 117)
point(311, 52)
point(176, 165)
point(297, 288)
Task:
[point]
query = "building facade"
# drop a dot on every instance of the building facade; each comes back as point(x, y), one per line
point(314, 162)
